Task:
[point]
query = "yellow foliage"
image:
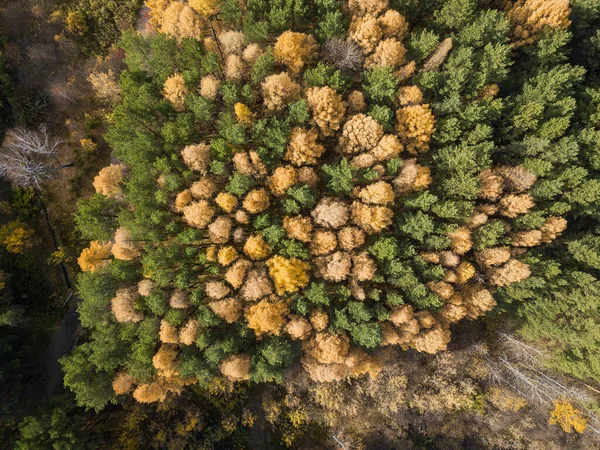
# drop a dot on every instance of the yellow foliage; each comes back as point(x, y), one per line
point(88, 145)
point(226, 201)
point(327, 107)
point(415, 126)
point(267, 317)
point(227, 255)
point(15, 236)
point(95, 256)
point(256, 248)
point(243, 114)
point(569, 418)
point(289, 275)
point(530, 18)
point(294, 49)
point(76, 23)
point(204, 7)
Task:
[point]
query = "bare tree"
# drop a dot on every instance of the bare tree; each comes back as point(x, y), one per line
point(27, 157)
point(522, 368)
point(344, 441)
point(345, 55)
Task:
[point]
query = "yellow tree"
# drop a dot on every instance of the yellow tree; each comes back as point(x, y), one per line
point(95, 257)
point(530, 18)
point(569, 418)
point(15, 236)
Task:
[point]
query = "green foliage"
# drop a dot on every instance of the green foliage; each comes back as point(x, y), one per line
point(380, 84)
point(415, 225)
point(340, 177)
point(93, 388)
point(103, 22)
point(490, 234)
point(274, 355)
point(382, 114)
point(96, 218)
point(566, 316)
point(325, 75)
point(316, 293)
point(384, 249)
point(421, 44)
point(262, 67)
point(239, 184)
point(367, 335)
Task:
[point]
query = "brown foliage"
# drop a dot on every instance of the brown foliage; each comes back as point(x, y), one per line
point(360, 133)
point(175, 91)
point(393, 24)
point(323, 242)
point(196, 157)
point(108, 179)
point(330, 213)
point(125, 248)
point(439, 55)
point(379, 193)
point(180, 21)
point(168, 333)
point(123, 383)
point(334, 267)
point(389, 53)
point(232, 42)
point(257, 285)
point(350, 238)
point(490, 257)
point(198, 214)
point(513, 205)
point(372, 219)
point(209, 87)
point(329, 348)
point(236, 273)
point(256, 201)
point(283, 178)
point(298, 227)
point(366, 32)
point(219, 231)
point(216, 290)
point(123, 306)
point(327, 107)
point(236, 367)
point(204, 188)
point(363, 267)
point(511, 272)
point(278, 90)
point(179, 299)
point(228, 309)
point(298, 328)
point(303, 147)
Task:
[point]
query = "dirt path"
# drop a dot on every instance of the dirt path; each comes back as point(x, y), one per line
point(61, 344)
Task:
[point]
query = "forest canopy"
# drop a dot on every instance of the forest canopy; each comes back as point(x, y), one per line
point(317, 181)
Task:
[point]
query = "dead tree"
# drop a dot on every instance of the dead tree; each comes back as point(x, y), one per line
point(27, 158)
